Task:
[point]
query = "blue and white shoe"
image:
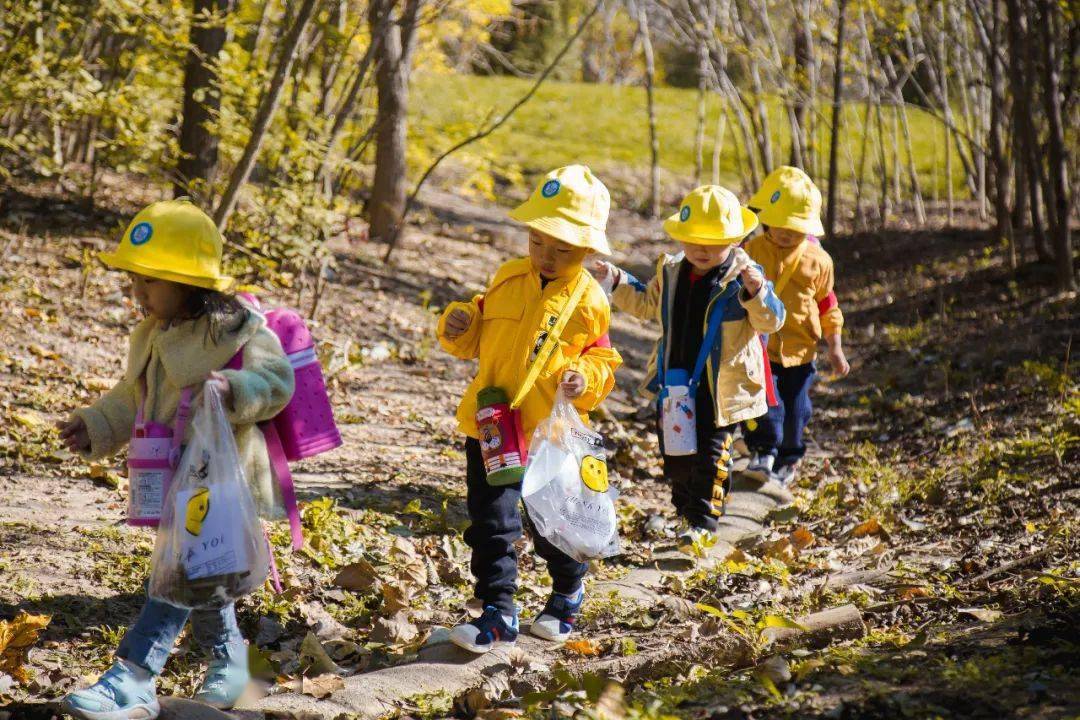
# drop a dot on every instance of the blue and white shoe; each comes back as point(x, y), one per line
point(227, 676)
point(786, 474)
point(556, 621)
point(122, 693)
point(760, 467)
point(487, 632)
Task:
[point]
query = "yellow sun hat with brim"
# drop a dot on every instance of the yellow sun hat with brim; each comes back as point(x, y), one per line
point(570, 204)
point(789, 199)
point(711, 215)
point(172, 240)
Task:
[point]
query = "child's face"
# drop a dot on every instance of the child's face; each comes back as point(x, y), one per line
point(705, 257)
point(160, 299)
point(784, 237)
point(552, 257)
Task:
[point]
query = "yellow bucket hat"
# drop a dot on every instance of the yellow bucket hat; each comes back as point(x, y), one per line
point(172, 240)
point(789, 199)
point(711, 215)
point(570, 204)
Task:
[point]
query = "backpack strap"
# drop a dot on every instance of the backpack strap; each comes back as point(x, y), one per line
point(552, 339)
point(279, 464)
point(789, 271)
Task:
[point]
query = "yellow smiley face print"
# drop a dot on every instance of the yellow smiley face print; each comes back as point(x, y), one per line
point(594, 473)
point(197, 508)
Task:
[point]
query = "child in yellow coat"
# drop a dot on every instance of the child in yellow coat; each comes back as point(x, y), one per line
point(789, 208)
point(506, 329)
point(172, 251)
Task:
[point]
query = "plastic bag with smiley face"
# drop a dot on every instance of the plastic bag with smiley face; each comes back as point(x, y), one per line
point(566, 489)
point(210, 547)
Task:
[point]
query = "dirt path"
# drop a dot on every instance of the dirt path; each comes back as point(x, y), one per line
point(878, 480)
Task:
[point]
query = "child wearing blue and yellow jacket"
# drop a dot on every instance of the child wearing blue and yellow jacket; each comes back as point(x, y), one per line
point(710, 289)
point(505, 329)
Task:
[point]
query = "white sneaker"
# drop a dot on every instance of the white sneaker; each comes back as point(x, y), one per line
point(485, 633)
point(760, 467)
point(787, 474)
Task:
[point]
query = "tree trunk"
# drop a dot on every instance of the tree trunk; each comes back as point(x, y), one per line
point(264, 114)
point(803, 102)
point(392, 70)
point(654, 139)
point(1000, 164)
point(834, 142)
point(1057, 205)
point(198, 146)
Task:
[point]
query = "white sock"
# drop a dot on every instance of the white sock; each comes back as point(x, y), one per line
point(140, 673)
point(574, 595)
point(508, 619)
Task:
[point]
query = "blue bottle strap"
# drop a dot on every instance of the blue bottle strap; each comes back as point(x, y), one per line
point(706, 347)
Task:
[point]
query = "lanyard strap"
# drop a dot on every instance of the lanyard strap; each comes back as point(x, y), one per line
point(183, 412)
point(712, 330)
point(789, 271)
point(552, 339)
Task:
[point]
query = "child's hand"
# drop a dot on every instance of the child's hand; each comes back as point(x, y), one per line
point(572, 384)
point(752, 279)
point(74, 434)
point(838, 362)
point(605, 273)
point(457, 323)
point(224, 387)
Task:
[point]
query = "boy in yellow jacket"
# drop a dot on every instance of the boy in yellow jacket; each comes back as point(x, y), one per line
point(711, 301)
point(789, 208)
point(505, 329)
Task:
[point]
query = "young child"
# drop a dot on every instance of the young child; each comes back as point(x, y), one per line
point(789, 209)
point(710, 283)
point(506, 328)
point(172, 252)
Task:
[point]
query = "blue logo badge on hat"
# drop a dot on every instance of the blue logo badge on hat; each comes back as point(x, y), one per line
point(140, 234)
point(550, 189)
point(684, 214)
point(775, 197)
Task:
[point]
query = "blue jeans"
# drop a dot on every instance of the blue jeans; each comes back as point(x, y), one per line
point(780, 432)
point(150, 640)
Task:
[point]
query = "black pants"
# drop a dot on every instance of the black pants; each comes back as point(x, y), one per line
point(496, 516)
point(699, 482)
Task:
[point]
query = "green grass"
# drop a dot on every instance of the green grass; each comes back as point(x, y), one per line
point(606, 128)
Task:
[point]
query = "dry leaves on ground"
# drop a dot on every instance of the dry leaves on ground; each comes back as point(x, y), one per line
point(16, 638)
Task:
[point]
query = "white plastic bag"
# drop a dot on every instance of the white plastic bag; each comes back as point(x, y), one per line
point(566, 489)
point(211, 548)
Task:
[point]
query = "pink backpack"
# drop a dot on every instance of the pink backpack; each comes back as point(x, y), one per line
point(305, 427)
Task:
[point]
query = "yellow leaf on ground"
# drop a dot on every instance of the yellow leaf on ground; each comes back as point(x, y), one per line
point(801, 538)
point(583, 647)
point(16, 638)
point(912, 592)
point(870, 527)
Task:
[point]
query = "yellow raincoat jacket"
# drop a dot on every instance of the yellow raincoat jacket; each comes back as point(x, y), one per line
point(508, 325)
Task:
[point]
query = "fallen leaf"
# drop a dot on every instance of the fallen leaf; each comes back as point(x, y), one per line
point(869, 527)
point(314, 660)
point(359, 576)
point(778, 621)
point(394, 630)
point(801, 538)
point(776, 668)
point(396, 597)
point(583, 647)
point(984, 614)
point(16, 638)
point(911, 592)
point(322, 686)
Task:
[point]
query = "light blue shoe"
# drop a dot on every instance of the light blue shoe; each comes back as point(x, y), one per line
point(227, 676)
point(120, 694)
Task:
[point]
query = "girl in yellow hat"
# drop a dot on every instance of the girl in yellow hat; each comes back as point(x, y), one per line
point(192, 328)
point(510, 328)
point(789, 209)
point(708, 368)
